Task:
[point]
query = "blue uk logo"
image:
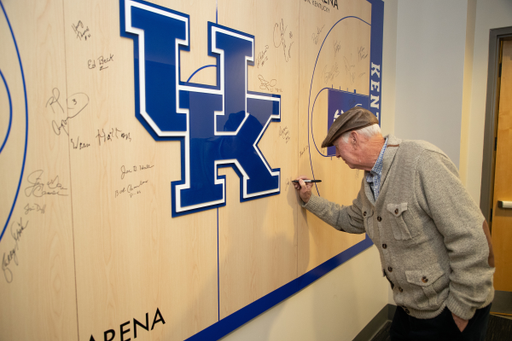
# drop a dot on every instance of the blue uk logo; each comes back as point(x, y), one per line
point(218, 126)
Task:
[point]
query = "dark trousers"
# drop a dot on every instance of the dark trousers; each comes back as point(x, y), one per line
point(440, 328)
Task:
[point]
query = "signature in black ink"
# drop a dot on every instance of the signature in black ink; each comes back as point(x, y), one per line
point(303, 151)
point(102, 62)
point(362, 53)
point(316, 36)
point(330, 74)
point(350, 67)
point(29, 208)
point(131, 190)
point(12, 256)
point(337, 47)
point(262, 57)
point(142, 167)
point(110, 135)
point(268, 85)
point(81, 31)
point(125, 170)
point(74, 104)
point(280, 39)
point(38, 189)
point(284, 133)
point(79, 145)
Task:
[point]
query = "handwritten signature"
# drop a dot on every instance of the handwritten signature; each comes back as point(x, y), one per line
point(284, 133)
point(79, 145)
point(280, 39)
point(81, 30)
point(336, 47)
point(330, 74)
point(74, 104)
point(316, 36)
point(350, 67)
point(110, 135)
point(38, 188)
point(304, 149)
point(268, 85)
point(362, 53)
point(29, 208)
point(262, 57)
point(125, 170)
point(102, 62)
point(12, 256)
point(131, 190)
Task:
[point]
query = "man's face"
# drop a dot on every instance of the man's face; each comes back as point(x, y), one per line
point(348, 153)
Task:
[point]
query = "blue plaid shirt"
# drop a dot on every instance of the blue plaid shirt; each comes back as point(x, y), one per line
point(373, 176)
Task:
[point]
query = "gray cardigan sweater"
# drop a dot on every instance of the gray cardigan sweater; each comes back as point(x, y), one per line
point(428, 230)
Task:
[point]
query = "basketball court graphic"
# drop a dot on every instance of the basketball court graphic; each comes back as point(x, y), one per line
point(14, 124)
point(151, 197)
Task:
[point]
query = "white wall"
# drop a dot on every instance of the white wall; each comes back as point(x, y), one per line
point(489, 14)
point(336, 307)
point(427, 70)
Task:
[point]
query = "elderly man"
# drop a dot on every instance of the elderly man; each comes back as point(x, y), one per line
point(433, 241)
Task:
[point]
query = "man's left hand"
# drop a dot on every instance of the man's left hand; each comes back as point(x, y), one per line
point(460, 322)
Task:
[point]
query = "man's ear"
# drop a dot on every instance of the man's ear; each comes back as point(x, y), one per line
point(354, 138)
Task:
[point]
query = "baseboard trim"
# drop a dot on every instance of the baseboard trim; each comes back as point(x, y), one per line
point(372, 328)
point(502, 303)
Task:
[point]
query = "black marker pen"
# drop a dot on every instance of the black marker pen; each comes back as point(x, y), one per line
point(307, 181)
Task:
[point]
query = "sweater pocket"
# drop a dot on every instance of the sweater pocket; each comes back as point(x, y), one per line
point(425, 284)
point(400, 229)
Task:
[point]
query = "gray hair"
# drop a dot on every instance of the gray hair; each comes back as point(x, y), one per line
point(369, 131)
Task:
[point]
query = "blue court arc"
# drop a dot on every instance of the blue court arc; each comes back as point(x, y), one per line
point(14, 116)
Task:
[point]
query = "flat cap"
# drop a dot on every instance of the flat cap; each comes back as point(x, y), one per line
point(352, 119)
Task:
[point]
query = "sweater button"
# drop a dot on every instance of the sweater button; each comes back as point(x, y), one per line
point(364, 214)
point(390, 269)
point(424, 279)
point(396, 211)
point(384, 246)
point(379, 218)
point(400, 289)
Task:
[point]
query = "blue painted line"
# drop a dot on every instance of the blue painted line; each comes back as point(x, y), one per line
point(310, 111)
point(26, 120)
point(201, 68)
point(10, 111)
point(247, 313)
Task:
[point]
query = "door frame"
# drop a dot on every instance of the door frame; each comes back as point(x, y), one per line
point(502, 303)
point(496, 36)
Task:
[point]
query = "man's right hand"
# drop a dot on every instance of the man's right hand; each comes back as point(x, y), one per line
point(303, 188)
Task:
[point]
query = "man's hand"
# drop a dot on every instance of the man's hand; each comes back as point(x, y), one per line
point(461, 323)
point(303, 188)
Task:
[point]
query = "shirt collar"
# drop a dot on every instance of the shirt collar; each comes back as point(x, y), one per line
point(377, 167)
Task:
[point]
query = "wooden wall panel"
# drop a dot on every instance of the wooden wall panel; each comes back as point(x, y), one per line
point(337, 57)
point(259, 238)
point(132, 257)
point(92, 250)
point(38, 284)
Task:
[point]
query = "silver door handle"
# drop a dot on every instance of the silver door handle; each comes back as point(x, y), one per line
point(504, 204)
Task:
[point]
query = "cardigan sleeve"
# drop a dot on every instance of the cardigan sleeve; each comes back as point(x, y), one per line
point(344, 218)
point(457, 217)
